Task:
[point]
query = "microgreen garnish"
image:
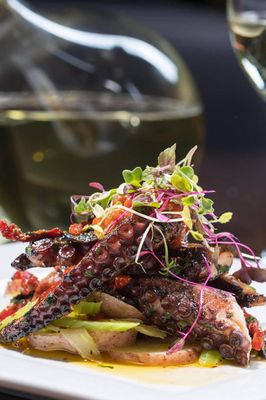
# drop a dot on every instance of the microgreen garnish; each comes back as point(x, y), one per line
point(225, 217)
point(133, 177)
point(188, 201)
point(167, 158)
point(166, 193)
point(153, 204)
point(82, 207)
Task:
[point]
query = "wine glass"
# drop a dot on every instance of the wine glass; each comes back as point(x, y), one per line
point(247, 22)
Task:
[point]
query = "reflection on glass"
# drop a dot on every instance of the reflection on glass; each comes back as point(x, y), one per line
point(247, 21)
point(83, 95)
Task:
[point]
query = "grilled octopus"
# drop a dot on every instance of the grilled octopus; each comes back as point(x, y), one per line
point(106, 259)
point(87, 264)
point(55, 252)
point(173, 305)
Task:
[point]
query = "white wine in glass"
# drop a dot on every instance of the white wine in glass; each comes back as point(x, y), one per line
point(247, 22)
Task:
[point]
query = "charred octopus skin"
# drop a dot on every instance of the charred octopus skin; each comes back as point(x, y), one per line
point(173, 305)
point(56, 252)
point(105, 260)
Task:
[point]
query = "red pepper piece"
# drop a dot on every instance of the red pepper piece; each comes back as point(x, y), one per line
point(22, 283)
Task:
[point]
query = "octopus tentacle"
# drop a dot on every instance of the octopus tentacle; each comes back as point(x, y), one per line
point(97, 267)
point(173, 305)
point(245, 295)
point(63, 251)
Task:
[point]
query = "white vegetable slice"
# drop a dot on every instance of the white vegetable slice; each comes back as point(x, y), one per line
point(111, 340)
point(82, 342)
point(154, 357)
point(115, 308)
point(103, 340)
point(50, 342)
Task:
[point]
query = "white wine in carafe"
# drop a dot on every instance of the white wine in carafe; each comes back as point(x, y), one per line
point(46, 156)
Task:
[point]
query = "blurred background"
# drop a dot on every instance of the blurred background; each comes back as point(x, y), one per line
point(222, 113)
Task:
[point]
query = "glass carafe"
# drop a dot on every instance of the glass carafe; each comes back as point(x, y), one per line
point(83, 95)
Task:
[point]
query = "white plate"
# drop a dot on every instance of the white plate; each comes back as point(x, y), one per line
point(62, 380)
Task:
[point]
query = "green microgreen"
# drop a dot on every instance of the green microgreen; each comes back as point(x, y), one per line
point(225, 217)
point(180, 182)
point(133, 177)
point(188, 201)
point(197, 235)
point(205, 206)
point(82, 207)
point(153, 204)
point(187, 217)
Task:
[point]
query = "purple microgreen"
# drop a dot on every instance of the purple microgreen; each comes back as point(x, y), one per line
point(97, 185)
point(167, 159)
point(161, 217)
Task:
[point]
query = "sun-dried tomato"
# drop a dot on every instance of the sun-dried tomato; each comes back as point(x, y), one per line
point(8, 311)
point(22, 283)
point(253, 326)
point(14, 233)
point(75, 229)
point(10, 232)
point(121, 281)
point(258, 340)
